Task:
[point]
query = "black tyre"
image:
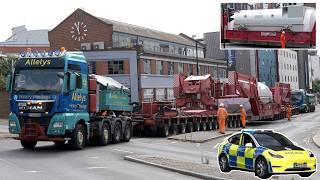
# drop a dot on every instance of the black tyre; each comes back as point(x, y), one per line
point(196, 126)
point(127, 132)
point(164, 130)
point(116, 136)
point(261, 168)
point(105, 136)
point(28, 144)
point(209, 126)
point(214, 124)
point(78, 138)
point(203, 126)
point(224, 163)
point(174, 129)
point(305, 174)
point(189, 127)
point(182, 128)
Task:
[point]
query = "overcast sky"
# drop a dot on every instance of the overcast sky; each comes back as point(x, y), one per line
point(173, 16)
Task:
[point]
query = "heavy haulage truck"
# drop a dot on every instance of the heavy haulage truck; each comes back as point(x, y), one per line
point(53, 98)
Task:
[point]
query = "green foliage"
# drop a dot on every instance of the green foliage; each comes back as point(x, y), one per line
point(316, 86)
point(5, 69)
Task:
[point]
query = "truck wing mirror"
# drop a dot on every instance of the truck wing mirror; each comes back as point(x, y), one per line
point(8, 83)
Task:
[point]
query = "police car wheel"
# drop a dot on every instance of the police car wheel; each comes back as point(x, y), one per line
point(305, 174)
point(261, 169)
point(224, 164)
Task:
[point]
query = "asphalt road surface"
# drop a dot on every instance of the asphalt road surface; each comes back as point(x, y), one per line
point(48, 162)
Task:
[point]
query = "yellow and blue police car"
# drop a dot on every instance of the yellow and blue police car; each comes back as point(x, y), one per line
point(266, 153)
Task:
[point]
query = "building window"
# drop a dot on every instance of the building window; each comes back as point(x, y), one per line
point(115, 67)
point(170, 95)
point(190, 71)
point(164, 48)
point(160, 94)
point(148, 95)
point(92, 67)
point(180, 68)
point(146, 66)
point(206, 70)
point(159, 67)
point(170, 68)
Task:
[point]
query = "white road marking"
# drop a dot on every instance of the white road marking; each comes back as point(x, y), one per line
point(122, 150)
point(97, 167)
point(215, 147)
point(31, 171)
point(93, 157)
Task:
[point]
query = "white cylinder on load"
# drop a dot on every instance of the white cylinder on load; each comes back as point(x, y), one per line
point(264, 93)
point(297, 18)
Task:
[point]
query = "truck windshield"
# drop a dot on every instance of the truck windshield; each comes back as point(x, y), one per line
point(312, 99)
point(296, 98)
point(38, 81)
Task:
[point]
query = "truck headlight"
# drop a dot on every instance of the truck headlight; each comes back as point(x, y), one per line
point(275, 155)
point(12, 124)
point(58, 124)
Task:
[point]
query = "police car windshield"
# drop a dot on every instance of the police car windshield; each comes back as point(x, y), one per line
point(273, 141)
point(38, 81)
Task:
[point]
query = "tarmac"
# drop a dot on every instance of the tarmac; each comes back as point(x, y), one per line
point(201, 136)
point(316, 138)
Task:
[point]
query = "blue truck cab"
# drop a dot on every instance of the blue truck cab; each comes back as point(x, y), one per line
point(302, 100)
point(49, 101)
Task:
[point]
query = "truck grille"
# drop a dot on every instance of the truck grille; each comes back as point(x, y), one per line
point(32, 125)
point(34, 108)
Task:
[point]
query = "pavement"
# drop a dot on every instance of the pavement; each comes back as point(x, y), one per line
point(201, 136)
point(316, 138)
point(4, 131)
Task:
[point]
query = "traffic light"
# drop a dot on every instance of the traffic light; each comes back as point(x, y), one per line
point(230, 13)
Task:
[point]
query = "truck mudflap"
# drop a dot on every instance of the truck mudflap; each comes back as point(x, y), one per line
point(35, 132)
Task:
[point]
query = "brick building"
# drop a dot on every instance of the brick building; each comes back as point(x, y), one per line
point(21, 39)
point(141, 58)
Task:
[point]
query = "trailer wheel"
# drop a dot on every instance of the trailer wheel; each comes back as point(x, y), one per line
point(189, 127)
point(182, 128)
point(203, 126)
point(214, 124)
point(164, 130)
point(78, 137)
point(209, 126)
point(127, 132)
point(174, 129)
point(196, 126)
point(116, 137)
point(28, 144)
point(105, 136)
point(239, 124)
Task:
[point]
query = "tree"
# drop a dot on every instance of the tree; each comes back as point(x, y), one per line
point(5, 69)
point(316, 86)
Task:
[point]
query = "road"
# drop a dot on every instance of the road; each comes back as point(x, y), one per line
point(48, 162)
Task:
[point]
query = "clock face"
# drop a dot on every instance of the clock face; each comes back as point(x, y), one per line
point(78, 31)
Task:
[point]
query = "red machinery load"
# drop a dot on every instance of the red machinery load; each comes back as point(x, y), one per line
point(197, 99)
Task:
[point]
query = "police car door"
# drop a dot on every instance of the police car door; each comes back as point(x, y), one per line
point(245, 152)
point(232, 154)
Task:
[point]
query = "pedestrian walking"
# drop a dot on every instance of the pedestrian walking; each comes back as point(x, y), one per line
point(289, 112)
point(222, 115)
point(243, 115)
point(283, 39)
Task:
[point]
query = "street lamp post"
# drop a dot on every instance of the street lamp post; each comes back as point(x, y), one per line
point(197, 58)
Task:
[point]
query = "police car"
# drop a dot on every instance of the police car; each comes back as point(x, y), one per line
point(266, 153)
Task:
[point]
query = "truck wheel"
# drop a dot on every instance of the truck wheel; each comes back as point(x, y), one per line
point(209, 126)
point(78, 139)
point(164, 130)
point(116, 133)
point(203, 126)
point(182, 128)
point(104, 137)
point(127, 132)
point(189, 127)
point(196, 126)
point(174, 129)
point(28, 144)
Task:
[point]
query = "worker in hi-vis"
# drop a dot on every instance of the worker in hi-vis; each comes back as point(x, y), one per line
point(222, 116)
point(283, 39)
point(243, 115)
